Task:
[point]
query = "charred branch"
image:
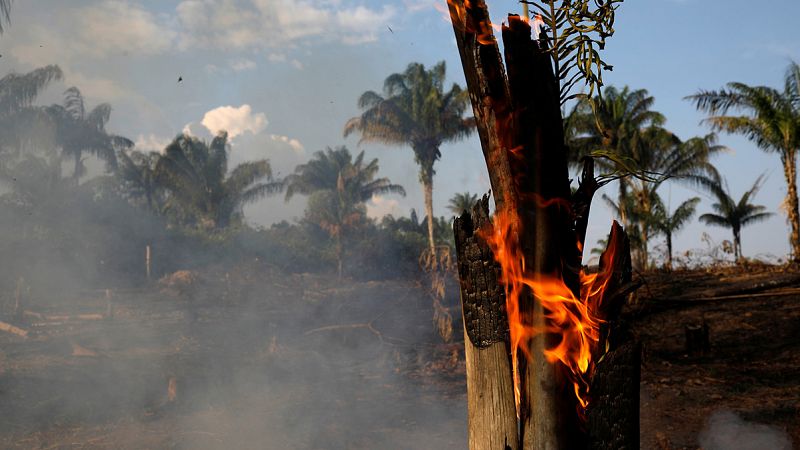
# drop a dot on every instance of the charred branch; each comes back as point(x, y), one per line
point(482, 296)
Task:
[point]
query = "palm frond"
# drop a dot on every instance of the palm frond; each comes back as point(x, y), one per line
point(714, 219)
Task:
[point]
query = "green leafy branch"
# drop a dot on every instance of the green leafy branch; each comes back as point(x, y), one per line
point(576, 30)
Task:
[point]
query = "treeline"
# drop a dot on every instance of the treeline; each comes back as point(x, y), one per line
point(186, 203)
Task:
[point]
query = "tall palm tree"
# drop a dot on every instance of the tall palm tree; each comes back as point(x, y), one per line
point(17, 93)
point(668, 224)
point(771, 119)
point(415, 110)
point(137, 172)
point(201, 190)
point(732, 214)
point(462, 201)
point(79, 131)
point(338, 187)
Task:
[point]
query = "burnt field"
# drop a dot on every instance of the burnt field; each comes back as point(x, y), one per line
point(252, 358)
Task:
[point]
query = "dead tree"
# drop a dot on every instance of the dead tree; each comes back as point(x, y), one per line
point(521, 131)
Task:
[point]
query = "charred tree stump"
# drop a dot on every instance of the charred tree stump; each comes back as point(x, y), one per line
point(613, 414)
point(491, 413)
point(520, 127)
point(697, 342)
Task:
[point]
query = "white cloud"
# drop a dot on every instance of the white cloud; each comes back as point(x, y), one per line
point(108, 28)
point(243, 64)
point(380, 206)
point(293, 143)
point(234, 120)
point(260, 24)
point(119, 26)
point(297, 64)
point(187, 130)
point(413, 6)
point(151, 143)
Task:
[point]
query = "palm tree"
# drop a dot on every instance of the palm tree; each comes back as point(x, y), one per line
point(771, 119)
point(338, 187)
point(17, 93)
point(660, 156)
point(668, 224)
point(415, 110)
point(5, 13)
point(732, 214)
point(327, 169)
point(201, 190)
point(79, 131)
point(613, 126)
point(623, 129)
point(462, 201)
point(34, 182)
point(137, 171)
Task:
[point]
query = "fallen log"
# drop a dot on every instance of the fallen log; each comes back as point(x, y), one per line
point(8, 328)
point(63, 318)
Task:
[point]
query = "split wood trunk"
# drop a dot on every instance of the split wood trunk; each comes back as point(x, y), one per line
point(491, 412)
point(521, 131)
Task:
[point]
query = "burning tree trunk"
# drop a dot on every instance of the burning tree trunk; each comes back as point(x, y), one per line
point(553, 309)
point(490, 402)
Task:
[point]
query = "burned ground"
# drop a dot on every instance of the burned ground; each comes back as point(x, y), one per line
point(259, 359)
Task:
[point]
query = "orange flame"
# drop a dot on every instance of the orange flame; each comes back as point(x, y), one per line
point(573, 319)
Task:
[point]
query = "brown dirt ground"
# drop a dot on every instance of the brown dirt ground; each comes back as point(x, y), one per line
point(264, 360)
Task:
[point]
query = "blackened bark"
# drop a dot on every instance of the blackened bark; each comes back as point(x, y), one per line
point(482, 295)
point(613, 413)
point(613, 416)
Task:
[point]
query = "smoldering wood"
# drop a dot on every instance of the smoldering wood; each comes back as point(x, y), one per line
point(519, 122)
point(582, 201)
point(491, 412)
point(482, 296)
point(613, 414)
point(548, 239)
point(488, 91)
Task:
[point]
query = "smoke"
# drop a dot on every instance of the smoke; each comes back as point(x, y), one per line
point(727, 431)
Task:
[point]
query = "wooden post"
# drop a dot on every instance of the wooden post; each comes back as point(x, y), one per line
point(19, 301)
point(147, 261)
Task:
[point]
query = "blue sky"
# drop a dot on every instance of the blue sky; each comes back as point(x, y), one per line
point(284, 75)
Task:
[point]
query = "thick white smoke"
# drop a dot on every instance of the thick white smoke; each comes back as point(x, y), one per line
point(727, 431)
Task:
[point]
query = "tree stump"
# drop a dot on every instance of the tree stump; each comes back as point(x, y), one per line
point(697, 341)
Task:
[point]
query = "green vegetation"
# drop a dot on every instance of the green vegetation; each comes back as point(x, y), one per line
point(462, 201)
point(79, 131)
point(187, 203)
point(732, 214)
point(632, 146)
point(771, 121)
point(201, 191)
point(668, 224)
point(415, 110)
point(338, 188)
